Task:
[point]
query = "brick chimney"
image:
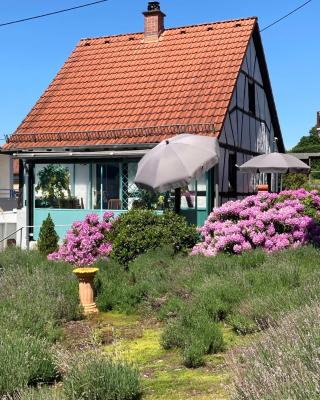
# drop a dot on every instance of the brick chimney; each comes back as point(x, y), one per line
point(153, 22)
point(318, 122)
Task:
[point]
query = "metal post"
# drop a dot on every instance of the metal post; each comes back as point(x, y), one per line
point(26, 200)
point(216, 186)
point(177, 200)
point(101, 189)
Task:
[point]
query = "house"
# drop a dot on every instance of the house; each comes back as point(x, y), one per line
point(118, 96)
point(8, 202)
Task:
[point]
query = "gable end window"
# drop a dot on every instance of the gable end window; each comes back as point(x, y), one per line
point(252, 97)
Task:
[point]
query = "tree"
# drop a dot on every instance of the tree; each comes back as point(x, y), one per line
point(308, 144)
point(53, 182)
point(48, 238)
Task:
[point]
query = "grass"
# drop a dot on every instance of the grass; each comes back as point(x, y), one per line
point(250, 293)
point(36, 298)
point(162, 374)
point(179, 320)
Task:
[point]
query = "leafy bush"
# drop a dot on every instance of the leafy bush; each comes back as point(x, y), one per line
point(284, 363)
point(294, 181)
point(24, 360)
point(99, 378)
point(35, 294)
point(137, 231)
point(271, 221)
point(86, 241)
point(48, 238)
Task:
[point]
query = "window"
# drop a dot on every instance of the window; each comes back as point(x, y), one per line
point(107, 193)
point(252, 97)
point(232, 173)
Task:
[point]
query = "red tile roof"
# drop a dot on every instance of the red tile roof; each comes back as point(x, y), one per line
point(112, 85)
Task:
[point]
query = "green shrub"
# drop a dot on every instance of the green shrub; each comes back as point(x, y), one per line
point(294, 181)
point(24, 360)
point(99, 378)
point(48, 238)
point(173, 336)
point(193, 354)
point(137, 231)
point(242, 324)
point(196, 334)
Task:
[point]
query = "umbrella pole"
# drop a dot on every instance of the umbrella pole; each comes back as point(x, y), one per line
point(177, 200)
point(280, 182)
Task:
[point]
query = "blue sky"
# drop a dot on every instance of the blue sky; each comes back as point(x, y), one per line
point(32, 52)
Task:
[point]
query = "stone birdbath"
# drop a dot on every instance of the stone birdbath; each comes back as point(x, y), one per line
point(86, 293)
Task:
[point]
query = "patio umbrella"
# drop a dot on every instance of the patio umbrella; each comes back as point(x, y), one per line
point(174, 162)
point(274, 163)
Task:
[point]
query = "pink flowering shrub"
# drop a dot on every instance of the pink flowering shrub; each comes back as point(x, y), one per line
point(86, 241)
point(271, 221)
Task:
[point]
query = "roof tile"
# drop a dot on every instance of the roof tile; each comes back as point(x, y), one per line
point(113, 83)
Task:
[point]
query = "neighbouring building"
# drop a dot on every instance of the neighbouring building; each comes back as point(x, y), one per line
point(118, 96)
point(318, 123)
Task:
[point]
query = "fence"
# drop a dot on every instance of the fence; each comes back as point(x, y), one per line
point(20, 237)
point(8, 194)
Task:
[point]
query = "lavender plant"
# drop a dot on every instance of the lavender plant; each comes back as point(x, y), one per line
point(284, 363)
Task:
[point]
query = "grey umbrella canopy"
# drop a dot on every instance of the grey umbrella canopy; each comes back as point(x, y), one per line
point(174, 162)
point(274, 163)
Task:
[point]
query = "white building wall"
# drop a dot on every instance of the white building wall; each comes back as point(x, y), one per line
point(6, 175)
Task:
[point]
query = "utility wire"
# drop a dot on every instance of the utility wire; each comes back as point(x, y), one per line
point(52, 13)
point(286, 16)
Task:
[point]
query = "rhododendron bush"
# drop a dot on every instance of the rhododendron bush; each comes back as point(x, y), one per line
point(86, 241)
point(271, 221)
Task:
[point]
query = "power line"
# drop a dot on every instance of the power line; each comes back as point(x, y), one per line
point(286, 16)
point(52, 13)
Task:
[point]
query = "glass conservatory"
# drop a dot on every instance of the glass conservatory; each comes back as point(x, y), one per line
point(69, 191)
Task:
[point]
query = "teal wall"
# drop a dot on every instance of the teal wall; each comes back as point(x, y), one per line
point(62, 218)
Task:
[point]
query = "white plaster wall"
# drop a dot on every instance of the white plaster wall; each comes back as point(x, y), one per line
point(82, 183)
point(22, 223)
point(6, 175)
point(8, 225)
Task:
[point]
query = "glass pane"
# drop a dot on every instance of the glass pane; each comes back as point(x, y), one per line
point(81, 184)
point(111, 187)
point(188, 196)
point(106, 186)
point(202, 192)
point(54, 186)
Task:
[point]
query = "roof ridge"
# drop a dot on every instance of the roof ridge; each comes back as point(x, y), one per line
point(172, 29)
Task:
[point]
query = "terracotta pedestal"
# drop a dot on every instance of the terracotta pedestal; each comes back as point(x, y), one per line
point(85, 277)
point(262, 188)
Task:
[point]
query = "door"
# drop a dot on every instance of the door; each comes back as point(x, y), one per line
point(108, 186)
point(196, 199)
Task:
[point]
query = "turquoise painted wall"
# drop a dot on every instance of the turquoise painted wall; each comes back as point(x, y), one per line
point(62, 218)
